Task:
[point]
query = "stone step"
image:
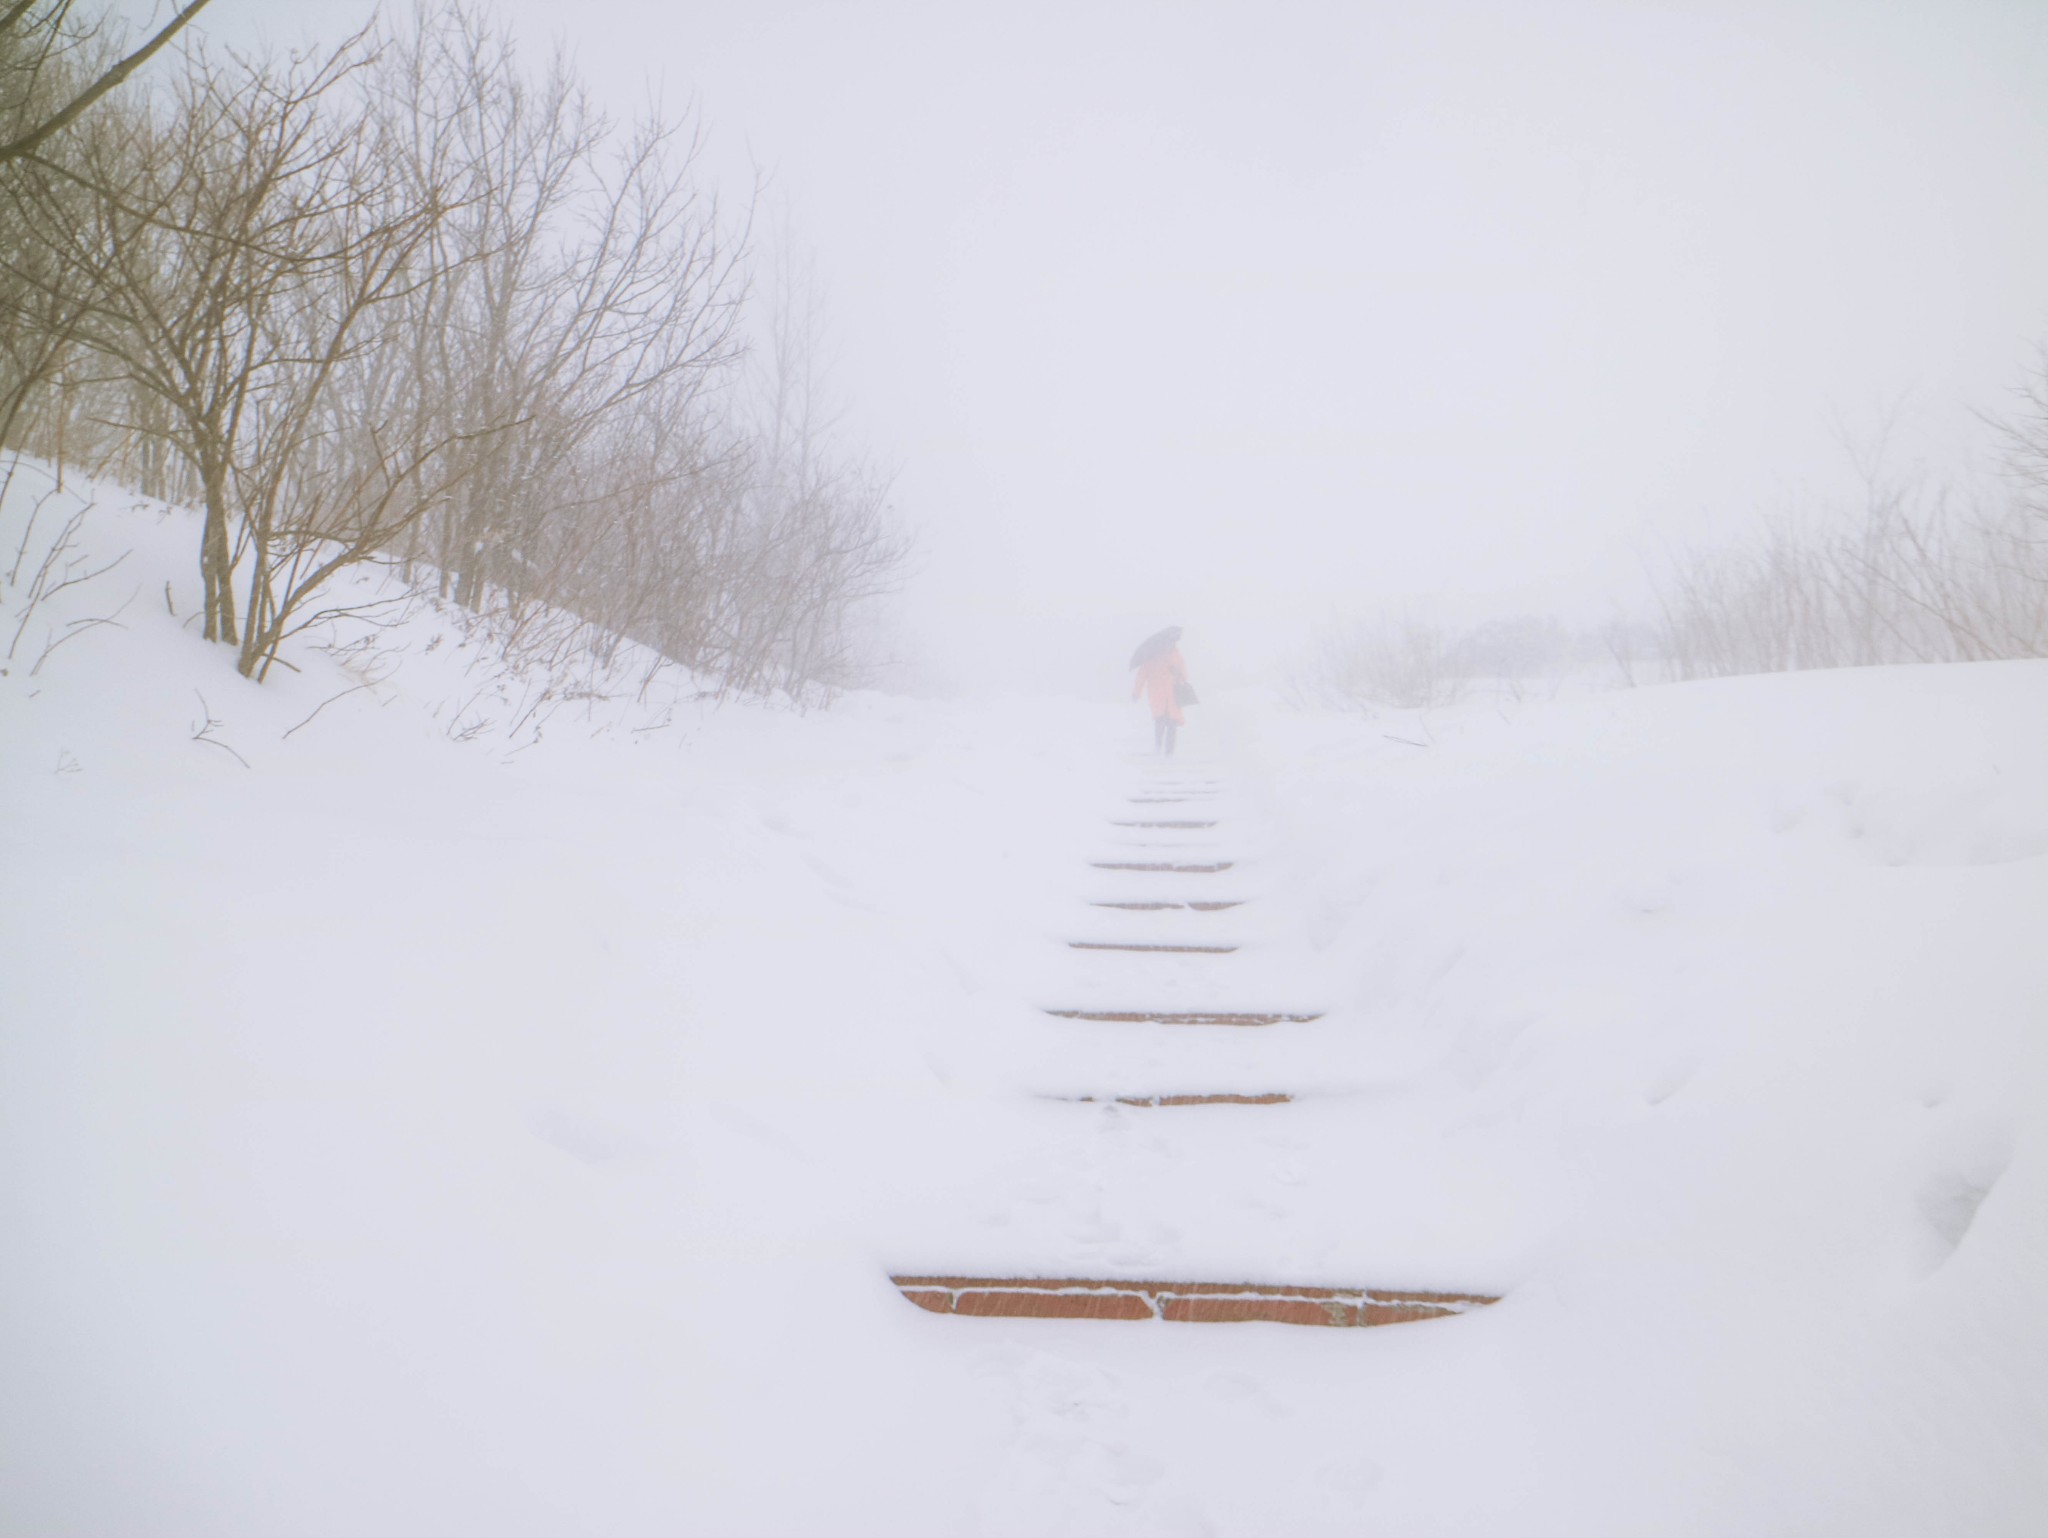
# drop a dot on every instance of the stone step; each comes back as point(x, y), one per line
point(1180, 1302)
point(1149, 906)
point(1153, 1101)
point(1183, 1017)
point(1152, 946)
point(1191, 870)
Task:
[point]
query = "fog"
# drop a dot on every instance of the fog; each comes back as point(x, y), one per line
point(1235, 317)
point(558, 982)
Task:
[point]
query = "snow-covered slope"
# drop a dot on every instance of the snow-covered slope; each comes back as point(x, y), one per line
point(409, 1126)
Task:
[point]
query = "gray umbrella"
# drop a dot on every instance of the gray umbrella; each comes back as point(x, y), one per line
point(1156, 646)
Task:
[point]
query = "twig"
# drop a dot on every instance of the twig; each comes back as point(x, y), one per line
point(89, 576)
point(323, 705)
point(545, 695)
point(204, 733)
point(36, 595)
point(28, 529)
point(76, 628)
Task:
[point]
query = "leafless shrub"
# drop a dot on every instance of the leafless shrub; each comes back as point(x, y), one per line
point(1913, 578)
point(399, 299)
point(1405, 664)
point(1514, 653)
point(1632, 650)
point(60, 565)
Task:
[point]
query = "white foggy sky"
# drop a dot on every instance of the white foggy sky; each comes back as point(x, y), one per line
point(1224, 314)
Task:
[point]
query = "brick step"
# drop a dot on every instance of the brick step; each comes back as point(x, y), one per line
point(1155, 906)
point(1151, 946)
point(1183, 1017)
point(1181, 1302)
point(1192, 870)
point(1151, 1101)
point(1180, 824)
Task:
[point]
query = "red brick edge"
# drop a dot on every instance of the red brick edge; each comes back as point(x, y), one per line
point(1151, 947)
point(1154, 906)
point(1191, 870)
point(1183, 1302)
point(1191, 1017)
point(1273, 1097)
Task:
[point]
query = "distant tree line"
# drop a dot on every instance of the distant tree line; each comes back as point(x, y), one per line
point(1915, 574)
point(399, 300)
point(1915, 570)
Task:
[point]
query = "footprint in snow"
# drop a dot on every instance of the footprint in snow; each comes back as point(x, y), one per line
point(1289, 1171)
point(1155, 1250)
point(1241, 1391)
point(1668, 1083)
point(1069, 1466)
point(582, 1137)
point(1352, 1478)
point(1970, 1159)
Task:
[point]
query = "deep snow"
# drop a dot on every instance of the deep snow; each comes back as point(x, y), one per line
point(412, 1135)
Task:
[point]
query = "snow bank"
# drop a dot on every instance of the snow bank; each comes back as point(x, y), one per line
point(416, 1126)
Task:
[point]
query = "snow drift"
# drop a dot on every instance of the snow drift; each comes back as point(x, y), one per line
point(415, 1126)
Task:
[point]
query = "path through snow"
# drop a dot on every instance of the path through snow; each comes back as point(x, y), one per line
point(413, 1136)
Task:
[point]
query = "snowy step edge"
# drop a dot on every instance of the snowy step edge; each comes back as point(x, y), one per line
point(1154, 865)
point(1180, 1302)
point(1154, 905)
point(1153, 947)
point(1159, 1102)
point(1189, 1016)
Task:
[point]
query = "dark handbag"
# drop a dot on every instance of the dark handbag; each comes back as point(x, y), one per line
point(1184, 693)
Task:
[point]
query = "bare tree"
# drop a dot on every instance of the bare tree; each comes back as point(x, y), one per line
point(43, 63)
point(206, 220)
point(396, 299)
point(42, 304)
point(593, 273)
point(242, 248)
point(814, 540)
point(36, 38)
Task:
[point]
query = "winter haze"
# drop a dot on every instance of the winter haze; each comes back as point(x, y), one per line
point(1112, 771)
point(1229, 315)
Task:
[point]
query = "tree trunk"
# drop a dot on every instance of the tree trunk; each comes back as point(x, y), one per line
point(216, 561)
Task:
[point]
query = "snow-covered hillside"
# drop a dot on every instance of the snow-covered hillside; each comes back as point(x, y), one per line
point(436, 1101)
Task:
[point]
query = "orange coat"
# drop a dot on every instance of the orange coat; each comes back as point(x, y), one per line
point(1157, 679)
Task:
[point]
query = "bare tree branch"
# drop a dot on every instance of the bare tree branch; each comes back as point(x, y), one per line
point(27, 143)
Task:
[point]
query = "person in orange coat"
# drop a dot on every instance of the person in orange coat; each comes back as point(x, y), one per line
point(1163, 679)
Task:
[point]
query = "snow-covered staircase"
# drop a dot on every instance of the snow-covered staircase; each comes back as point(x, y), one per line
point(1180, 975)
